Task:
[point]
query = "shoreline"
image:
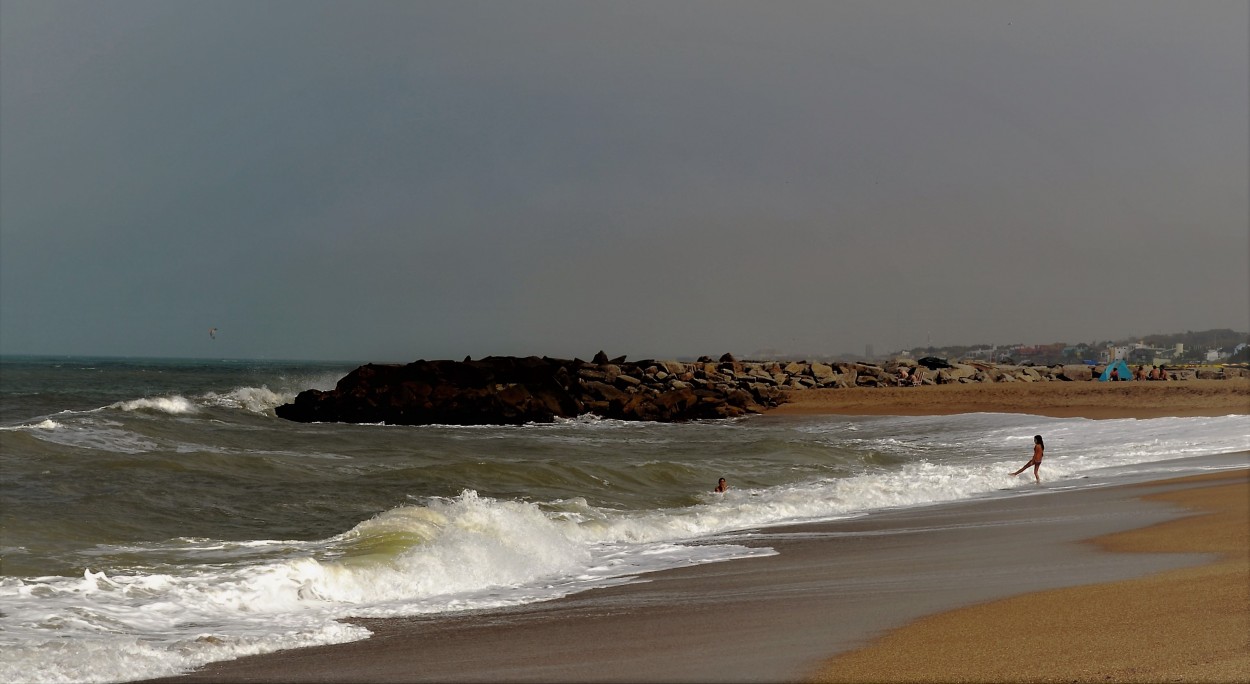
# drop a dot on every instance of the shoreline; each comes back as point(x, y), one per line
point(832, 588)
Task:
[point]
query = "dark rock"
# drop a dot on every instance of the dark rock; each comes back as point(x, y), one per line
point(604, 391)
point(675, 402)
point(934, 363)
point(509, 391)
point(600, 358)
point(592, 374)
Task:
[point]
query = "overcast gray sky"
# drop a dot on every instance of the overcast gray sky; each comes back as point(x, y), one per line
point(399, 180)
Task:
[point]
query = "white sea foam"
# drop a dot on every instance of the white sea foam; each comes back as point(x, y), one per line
point(174, 405)
point(254, 399)
point(452, 554)
point(45, 424)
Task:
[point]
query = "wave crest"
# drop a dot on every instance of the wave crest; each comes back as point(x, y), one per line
point(45, 424)
point(175, 405)
point(254, 399)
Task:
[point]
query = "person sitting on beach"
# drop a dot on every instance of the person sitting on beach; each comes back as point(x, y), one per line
point(902, 376)
point(1038, 450)
point(721, 486)
point(915, 380)
point(1115, 374)
point(1141, 373)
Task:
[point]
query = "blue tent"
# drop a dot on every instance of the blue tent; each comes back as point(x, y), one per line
point(1120, 367)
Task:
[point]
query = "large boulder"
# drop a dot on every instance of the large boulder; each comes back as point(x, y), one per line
point(822, 372)
point(958, 372)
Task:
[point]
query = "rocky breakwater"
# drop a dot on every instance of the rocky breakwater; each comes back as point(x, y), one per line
point(505, 390)
point(512, 391)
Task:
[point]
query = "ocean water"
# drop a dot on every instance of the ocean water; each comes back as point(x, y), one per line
point(155, 515)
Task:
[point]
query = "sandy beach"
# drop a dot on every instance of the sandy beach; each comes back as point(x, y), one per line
point(1189, 625)
point(1056, 399)
point(1143, 581)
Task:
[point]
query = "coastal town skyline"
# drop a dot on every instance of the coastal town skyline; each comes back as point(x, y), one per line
point(1212, 345)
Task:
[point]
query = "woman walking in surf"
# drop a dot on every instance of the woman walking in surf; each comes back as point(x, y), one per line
point(1039, 448)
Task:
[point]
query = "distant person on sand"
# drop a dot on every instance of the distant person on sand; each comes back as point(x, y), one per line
point(1038, 450)
point(721, 486)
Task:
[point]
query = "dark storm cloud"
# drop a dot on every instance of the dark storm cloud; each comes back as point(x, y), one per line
point(395, 180)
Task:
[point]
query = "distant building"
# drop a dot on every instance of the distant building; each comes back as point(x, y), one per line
point(1144, 354)
point(982, 353)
